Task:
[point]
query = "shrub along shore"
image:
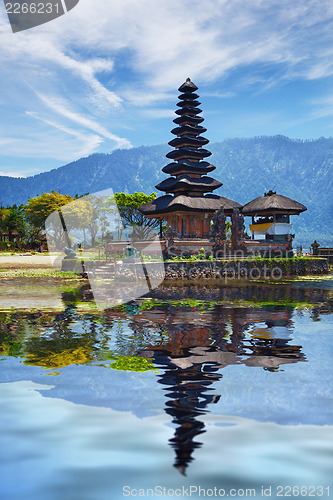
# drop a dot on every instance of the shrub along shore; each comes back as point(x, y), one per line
point(253, 268)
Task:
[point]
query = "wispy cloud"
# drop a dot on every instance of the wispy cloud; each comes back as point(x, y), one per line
point(169, 39)
point(218, 95)
point(144, 98)
point(123, 60)
point(157, 113)
point(4, 141)
point(322, 107)
point(90, 142)
point(17, 173)
point(61, 107)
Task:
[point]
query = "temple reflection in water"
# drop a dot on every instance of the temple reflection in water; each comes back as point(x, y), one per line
point(195, 346)
point(190, 345)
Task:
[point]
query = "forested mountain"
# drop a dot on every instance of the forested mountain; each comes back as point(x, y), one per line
point(301, 170)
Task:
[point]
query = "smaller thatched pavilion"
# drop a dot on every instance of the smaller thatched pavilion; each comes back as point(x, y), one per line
point(271, 217)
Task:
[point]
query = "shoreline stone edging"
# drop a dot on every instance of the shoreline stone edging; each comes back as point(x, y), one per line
point(256, 269)
point(72, 265)
point(273, 269)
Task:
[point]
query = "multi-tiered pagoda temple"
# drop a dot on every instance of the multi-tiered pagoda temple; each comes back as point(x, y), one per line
point(188, 205)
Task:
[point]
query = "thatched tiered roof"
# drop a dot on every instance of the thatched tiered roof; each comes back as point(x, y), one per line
point(185, 203)
point(186, 182)
point(189, 183)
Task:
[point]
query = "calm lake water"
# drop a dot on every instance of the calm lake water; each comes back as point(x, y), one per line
point(229, 390)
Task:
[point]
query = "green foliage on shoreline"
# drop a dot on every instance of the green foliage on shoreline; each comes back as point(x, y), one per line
point(128, 207)
point(301, 170)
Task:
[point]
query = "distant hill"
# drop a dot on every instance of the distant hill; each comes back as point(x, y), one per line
point(299, 169)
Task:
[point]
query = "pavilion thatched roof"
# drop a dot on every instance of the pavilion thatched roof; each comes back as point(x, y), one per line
point(273, 203)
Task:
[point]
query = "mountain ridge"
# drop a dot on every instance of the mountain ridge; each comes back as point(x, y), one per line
point(248, 167)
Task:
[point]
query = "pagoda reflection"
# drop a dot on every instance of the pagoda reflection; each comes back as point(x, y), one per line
point(190, 346)
point(195, 346)
point(187, 391)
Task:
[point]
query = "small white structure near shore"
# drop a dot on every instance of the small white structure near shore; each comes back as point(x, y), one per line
point(271, 219)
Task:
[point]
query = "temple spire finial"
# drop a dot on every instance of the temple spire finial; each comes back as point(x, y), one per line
point(189, 202)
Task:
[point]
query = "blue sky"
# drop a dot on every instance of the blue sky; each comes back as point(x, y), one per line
point(105, 75)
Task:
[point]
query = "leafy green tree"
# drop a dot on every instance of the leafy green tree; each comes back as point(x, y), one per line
point(77, 215)
point(97, 220)
point(12, 220)
point(15, 221)
point(87, 213)
point(39, 208)
point(4, 212)
point(128, 207)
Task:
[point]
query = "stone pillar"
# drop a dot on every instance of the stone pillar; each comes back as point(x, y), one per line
point(218, 233)
point(237, 231)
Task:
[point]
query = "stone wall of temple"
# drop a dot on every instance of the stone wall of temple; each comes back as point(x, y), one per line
point(270, 269)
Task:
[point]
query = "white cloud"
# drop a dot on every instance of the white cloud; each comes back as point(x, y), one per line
point(168, 38)
point(18, 173)
point(323, 107)
point(156, 113)
point(218, 95)
point(62, 107)
point(4, 173)
point(4, 141)
point(144, 98)
point(106, 58)
point(90, 142)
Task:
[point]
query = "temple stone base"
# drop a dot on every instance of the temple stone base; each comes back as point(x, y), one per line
point(232, 268)
point(188, 246)
point(271, 269)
